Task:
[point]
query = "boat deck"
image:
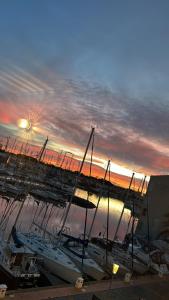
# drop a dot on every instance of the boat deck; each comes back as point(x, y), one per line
point(143, 288)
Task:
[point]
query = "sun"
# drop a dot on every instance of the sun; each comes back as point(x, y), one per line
point(24, 124)
point(28, 124)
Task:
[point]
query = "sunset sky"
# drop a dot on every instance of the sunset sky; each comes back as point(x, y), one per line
point(72, 64)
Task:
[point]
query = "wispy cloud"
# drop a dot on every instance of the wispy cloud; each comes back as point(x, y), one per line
point(66, 110)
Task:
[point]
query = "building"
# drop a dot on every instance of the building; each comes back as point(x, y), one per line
point(156, 209)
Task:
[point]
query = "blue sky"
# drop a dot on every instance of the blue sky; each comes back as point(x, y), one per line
point(90, 62)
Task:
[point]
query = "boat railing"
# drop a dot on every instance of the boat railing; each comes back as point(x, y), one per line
point(121, 255)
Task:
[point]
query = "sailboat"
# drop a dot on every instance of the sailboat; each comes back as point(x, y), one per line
point(129, 260)
point(106, 260)
point(53, 259)
point(17, 262)
point(58, 259)
point(17, 265)
point(73, 248)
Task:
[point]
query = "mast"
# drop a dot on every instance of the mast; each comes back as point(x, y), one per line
point(74, 189)
point(143, 184)
point(70, 161)
point(108, 218)
point(13, 146)
point(148, 220)
point(91, 227)
point(132, 233)
point(26, 193)
point(63, 160)
point(7, 142)
point(42, 150)
point(86, 214)
point(17, 217)
point(122, 212)
point(140, 191)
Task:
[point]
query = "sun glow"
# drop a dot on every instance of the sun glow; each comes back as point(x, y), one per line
point(24, 124)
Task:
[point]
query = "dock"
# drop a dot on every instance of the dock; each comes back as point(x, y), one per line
point(141, 288)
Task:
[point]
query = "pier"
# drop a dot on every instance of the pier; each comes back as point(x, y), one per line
point(141, 288)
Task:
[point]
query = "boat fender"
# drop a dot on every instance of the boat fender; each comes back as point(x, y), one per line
point(79, 283)
point(3, 288)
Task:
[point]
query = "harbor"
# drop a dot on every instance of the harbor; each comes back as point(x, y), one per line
point(57, 233)
point(84, 162)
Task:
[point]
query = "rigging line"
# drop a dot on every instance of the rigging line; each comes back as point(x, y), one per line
point(36, 208)
point(49, 216)
point(140, 184)
point(47, 206)
point(108, 217)
point(7, 210)
point(86, 213)
point(132, 232)
point(4, 207)
point(100, 196)
point(54, 211)
point(27, 191)
point(63, 215)
point(8, 218)
point(129, 221)
point(122, 212)
point(44, 205)
point(143, 184)
point(26, 207)
point(148, 219)
point(37, 214)
point(143, 181)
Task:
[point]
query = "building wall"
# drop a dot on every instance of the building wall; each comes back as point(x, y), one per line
point(158, 207)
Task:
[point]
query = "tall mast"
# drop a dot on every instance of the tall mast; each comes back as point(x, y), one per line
point(86, 214)
point(26, 193)
point(7, 142)
point(142, 188)
point(108, 217)
point(126, 198)
point(75, 186)
point(91, 227)
point(42, 150)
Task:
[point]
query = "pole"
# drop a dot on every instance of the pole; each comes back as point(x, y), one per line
point(86, 215)
point(42, 150)
point(74, 189)
point(142, 188)
point(132, 232)
point(7, 142)
point(17, 217)
point(108, 214)
point(91, 227)
point(126, 198)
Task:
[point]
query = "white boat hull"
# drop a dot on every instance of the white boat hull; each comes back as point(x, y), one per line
point(54, 260)
point(60, 270)
point(90, 267)
point(100, 257)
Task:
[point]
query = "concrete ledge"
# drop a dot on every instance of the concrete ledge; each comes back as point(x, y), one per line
point(68, 292)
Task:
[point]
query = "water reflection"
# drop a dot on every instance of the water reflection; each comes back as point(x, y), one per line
point(75, 220)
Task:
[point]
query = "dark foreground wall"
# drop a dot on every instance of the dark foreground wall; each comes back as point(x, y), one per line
point(153, 291)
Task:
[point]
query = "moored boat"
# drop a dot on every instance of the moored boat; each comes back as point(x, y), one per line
point(55, 260)
point(17, 265)
point(73, 247)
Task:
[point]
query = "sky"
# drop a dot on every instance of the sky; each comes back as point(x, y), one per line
point(69, 65)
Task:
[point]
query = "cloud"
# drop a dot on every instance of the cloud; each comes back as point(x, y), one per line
point(133, 132)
